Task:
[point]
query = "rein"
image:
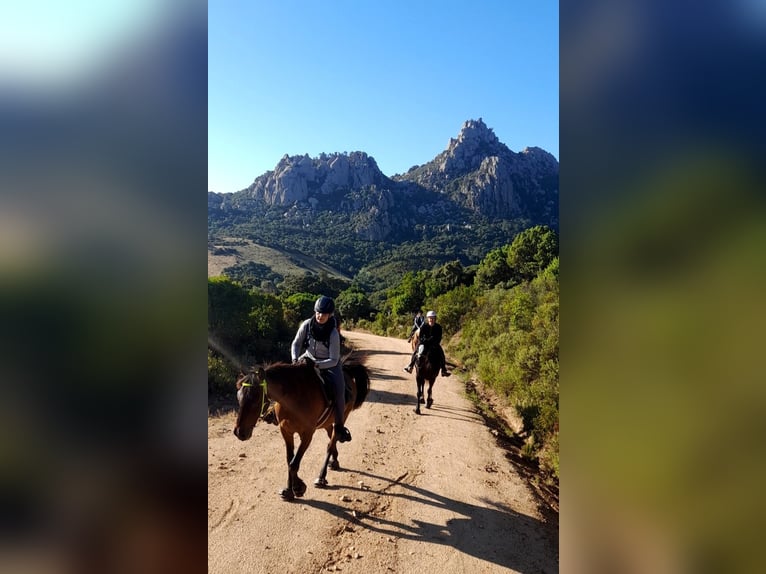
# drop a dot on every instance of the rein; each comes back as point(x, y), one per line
point(263, 385)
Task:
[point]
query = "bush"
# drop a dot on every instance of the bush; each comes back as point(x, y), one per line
point(453, 306)
point(221, 376)
point(510, 338)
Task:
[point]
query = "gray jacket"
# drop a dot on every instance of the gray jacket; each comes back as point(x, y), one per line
point(326, 356)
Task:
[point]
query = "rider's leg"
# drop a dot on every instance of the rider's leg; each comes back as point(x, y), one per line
point(408, 368)
point(336, 374)
point(445, 372)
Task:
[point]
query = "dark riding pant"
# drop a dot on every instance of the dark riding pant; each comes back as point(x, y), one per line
point(442, 358)
point(334, 376)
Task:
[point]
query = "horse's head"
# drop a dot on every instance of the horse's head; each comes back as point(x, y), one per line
point(251, 396)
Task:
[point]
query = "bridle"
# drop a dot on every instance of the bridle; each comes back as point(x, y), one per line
point(263, 385)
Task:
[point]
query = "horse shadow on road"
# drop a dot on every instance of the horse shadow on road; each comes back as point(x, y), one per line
point(494, 533)
point(389, 397)
point(373, 352)
point(407, 399)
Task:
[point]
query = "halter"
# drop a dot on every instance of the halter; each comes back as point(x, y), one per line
point(263, 385)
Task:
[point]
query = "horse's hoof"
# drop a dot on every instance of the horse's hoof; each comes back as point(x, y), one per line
point(429, 403)
point(320, 483)
point(299, 489)
point(417, 410)
point(335, 465)
point(286, 494)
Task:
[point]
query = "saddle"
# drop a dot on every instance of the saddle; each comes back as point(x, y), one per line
point(329, 389)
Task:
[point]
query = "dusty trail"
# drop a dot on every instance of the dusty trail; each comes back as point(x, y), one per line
point(416, 494)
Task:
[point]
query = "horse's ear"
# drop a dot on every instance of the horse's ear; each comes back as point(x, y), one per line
point(260, 373)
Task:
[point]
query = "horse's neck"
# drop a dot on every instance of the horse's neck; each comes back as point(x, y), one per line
point(275, 390)
point(287, 391)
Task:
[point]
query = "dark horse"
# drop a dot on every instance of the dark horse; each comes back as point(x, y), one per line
point(427, 368)
point(301, 408)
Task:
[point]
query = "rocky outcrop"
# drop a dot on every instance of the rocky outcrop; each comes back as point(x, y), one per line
point(299, 178)
point(482, 174)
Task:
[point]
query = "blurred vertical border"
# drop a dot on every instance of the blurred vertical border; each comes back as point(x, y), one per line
point(103, 137)
point(663, 236)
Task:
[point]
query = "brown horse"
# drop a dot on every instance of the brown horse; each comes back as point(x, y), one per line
point(427, 368)
point(301, 408)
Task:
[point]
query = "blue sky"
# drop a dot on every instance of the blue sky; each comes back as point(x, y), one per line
point(394, 79)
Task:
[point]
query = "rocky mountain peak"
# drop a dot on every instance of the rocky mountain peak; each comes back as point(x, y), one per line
point(477, 171)
point(475, 132)
point(302, 178)
point(474, 142)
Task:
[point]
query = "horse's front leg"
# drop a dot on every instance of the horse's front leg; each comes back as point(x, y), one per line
point(430, 400)
point(330, 460)
point(419, 398)
point(287, 493)
point(295, 486)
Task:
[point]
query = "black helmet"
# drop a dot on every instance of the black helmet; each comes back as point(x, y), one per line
point(324, 305)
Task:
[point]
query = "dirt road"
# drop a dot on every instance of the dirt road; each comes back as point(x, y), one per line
point(415, 494)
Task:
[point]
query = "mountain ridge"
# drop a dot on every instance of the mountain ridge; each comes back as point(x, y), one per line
point(476, 175)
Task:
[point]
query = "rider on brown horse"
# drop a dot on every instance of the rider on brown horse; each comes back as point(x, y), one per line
point(319, 337)
point(418, 322)
point(430, 336)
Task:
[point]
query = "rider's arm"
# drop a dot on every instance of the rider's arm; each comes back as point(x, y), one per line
point(296, 350)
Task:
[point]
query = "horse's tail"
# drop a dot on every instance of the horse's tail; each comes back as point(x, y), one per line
point(362, 380)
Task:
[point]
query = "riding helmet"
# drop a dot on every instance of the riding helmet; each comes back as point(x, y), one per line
point(431, 314)
point(324, 305)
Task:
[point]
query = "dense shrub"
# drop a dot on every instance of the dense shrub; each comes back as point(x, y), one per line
point(510, 340)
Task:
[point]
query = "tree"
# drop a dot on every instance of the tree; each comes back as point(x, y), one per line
point(228, 306)
point(407, 297)
point(531, 251)
point(445, 278)
point(454, 306)
point(493, 269)
point(298, 306)
point(353, 304)
point(244, 324)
